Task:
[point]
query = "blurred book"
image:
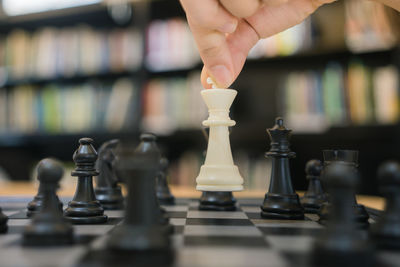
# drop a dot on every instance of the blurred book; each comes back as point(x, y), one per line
point(386, 94)
point(314, 101)
point(170, 45)
point(64, 52)
point(69, 108)
point(172, 104)
point(359, 93)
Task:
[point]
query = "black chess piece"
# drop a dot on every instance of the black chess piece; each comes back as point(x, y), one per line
point(107, 190)
point(163, 193)
point(315, 196)
point(48, 226)
point(341, 244)
point(350, 158)
point(386, 231)
point(281, 201)
point(37, 203)
point(218, 201)
point(3, 222)
point(142, 234)
point(148, 144)
point(84, 207)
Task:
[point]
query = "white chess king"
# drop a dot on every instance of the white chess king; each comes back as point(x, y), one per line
point(219, 172)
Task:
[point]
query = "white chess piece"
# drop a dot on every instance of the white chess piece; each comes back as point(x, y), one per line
point(219, 172)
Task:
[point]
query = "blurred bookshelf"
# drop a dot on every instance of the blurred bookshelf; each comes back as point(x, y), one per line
point(109, 70)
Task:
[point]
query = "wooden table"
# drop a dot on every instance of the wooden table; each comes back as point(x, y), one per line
point(30, 189)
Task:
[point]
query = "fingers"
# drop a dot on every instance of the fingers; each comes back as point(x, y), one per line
point(238, 44)
point(240, 8)
point(275, 2)
point(214, 53)
point(209, 14)
point(272, 19)
point(209, 22)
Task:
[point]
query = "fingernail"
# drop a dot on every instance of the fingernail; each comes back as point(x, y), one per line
point(222, 75)
point(229, 27)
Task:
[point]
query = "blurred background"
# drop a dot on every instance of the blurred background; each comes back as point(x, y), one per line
point(113, 69)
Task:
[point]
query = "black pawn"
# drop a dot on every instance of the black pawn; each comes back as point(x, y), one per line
point(314, 197)
point(341, 244)
point(84, 207)
point(281, 201)
point(3, 222)
point(218, 201)
point(48, 227)
point(386, 231)
point(350, 158)
point(163, 193)
point(37, 203)
point(107, 190)
point(142, 232)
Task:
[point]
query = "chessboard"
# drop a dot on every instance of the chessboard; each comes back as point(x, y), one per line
point(200, 238)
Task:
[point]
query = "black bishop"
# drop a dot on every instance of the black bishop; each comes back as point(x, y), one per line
point(84, 207)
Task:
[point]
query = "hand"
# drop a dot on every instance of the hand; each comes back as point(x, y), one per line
point(226, 30)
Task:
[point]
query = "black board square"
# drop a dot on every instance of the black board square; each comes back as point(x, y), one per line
point(177, 214)
point(289, 231)
point(226, 241)
point(84, 239)
point(15, 229)
point(297, 258)
point(19, 215)
point(254, 215)
point(212, 221)
point(112, 221)
point(178, 229)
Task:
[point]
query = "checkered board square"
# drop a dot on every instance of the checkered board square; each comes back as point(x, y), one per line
point(200, 238)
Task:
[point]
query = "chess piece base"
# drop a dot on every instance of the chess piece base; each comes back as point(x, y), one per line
point(3, 222)
point(228, 178)
point(48, 240)
point(285, 207)
point(312, 210)
point(166, 200)
point(87, 220)
point(217, 201)
point(139, 238)
point(85, 212)
point(112, 257)
point(110, 198)
point(48, 235)
point(312, 204)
